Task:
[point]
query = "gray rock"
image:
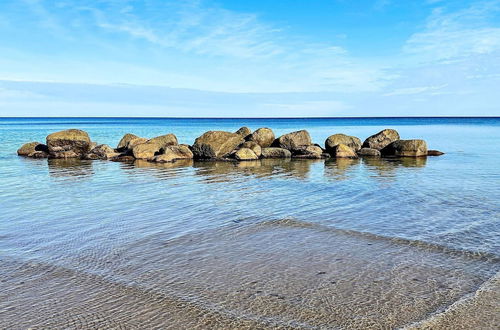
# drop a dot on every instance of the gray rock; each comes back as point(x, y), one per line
point(336, 139)
point(308, 152)
point(244, 131)
point(263, 136)
point(71, 143)
point(369, 152)
point(275, 153)
point(102, 151)
point(173, 153)
point(406, 148)
point(216, 144)
point(294, 141)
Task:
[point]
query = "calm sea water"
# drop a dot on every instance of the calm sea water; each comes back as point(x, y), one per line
point(155, 228)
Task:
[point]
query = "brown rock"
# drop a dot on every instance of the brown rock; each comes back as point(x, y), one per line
point(245, 154)
point(135, 142)
point(102, 151)
point(275, 153)
point(406, 148)
point(336, 139)
point(244, 131)
point(71, 143)
point(254, 146)
point(39, 154)
point(173, 153)
point(308, 152)
point(343, 151)
point(216, 144)
point(368, 152)
point(29, 148)
point(434, 153)
point(146, 150)
point(164, 141)
point(123, 144)
point(381, 139)
point(295, 140)
point(263, 136)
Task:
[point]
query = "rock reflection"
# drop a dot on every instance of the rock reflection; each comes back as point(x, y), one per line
point(139, 163)
point(215, 171)
point(387, 167)
point(340, 168)
point(70, 168)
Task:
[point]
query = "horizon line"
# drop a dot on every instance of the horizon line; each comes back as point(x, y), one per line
point(314, 117)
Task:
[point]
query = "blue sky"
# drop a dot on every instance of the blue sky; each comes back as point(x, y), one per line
point(249, 58)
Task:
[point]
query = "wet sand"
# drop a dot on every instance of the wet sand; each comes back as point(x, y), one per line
point(277, 274)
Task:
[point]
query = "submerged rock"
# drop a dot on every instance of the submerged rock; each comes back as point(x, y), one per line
point(244, 131)
point(71, 143)
point(216, 144)
point(276, 153)
point(245, 154)
point(381, 139)
point(254, 146)
point(123, 144)
point(434, 153)
point(369, 152)
point(294, 141)
point(102, 151)
point(336, 139)
point(263, 136)
point(173, 153)
point(343, 151)
point(406, 148)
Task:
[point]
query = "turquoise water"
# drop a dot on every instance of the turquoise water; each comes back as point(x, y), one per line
point(99, 217)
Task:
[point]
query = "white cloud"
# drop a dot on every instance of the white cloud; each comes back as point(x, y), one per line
point(416, 90)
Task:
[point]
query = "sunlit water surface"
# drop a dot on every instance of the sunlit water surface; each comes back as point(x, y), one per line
point(272, 243)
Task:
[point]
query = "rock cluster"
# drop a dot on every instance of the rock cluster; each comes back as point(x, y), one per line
point(221, 145)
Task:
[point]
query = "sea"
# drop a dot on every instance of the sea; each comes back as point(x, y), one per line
point(367, 243)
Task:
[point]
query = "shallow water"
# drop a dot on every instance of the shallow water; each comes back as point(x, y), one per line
point(310, 244)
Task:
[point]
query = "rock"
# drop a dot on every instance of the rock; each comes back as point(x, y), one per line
point(123, 158)
point(308, 152)
point(173, 153)
point(123, 144)
point(29, 148)
point(39, 154)
point(164, 141)
point(336, 139)
point(245, 154)
point(263, 136)
point(368, 152)
point(294, 141)
point(71, 143)
point(381, 139)
point(102, 151)
point(434, 153)
point(146, 150)
point(254, 146)
point(343, 151)
point(135, 142)
point(216, 144)
point(244, 131)
point(275, 153)
point(406, 148)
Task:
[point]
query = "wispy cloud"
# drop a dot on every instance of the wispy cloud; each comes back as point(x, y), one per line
point(415, 90)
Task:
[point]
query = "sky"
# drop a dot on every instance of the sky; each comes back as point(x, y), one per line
point(259, 58)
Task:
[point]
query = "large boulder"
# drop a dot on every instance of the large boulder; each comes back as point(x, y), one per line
point(263, 136)
point(294, 141)
point(245, 154)
point(146, 150)
point(244, 131)
point(254, 146)
point(164, 141)
point(381, 139)
point(406, 148)
point(275, 153)
point(368, 152)
point(135, 142)
point(343, 151)
point(71, 143)
point(336, 139)
point(308, 152)
point(102, 151)
point(123, 144)
point(28, 149)
point(216, 144)
point(173, 153)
